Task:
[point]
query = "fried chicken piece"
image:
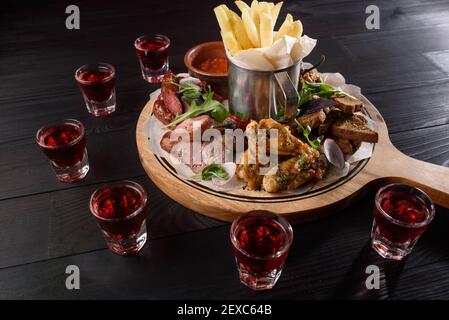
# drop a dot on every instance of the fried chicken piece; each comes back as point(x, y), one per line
point(288, 144)
point(249, 172)
point(251, 164)
point(289, 174)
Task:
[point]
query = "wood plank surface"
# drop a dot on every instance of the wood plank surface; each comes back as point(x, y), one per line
point(325, 262)
point(55, 224)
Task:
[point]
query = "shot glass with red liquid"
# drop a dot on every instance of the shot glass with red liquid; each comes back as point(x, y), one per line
point(120, 212)
point(260, 241)
point(64, 144)
point(402, 214)
point(152, 52)
point(97, 84)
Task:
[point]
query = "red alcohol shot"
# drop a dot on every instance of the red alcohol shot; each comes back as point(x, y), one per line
point(120, 213)
point(152, 52)
point(401, 215)
point(97, 84)
point(64, 144)
point(261, 241)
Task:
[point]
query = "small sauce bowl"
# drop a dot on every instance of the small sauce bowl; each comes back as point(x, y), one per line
point(199, 54)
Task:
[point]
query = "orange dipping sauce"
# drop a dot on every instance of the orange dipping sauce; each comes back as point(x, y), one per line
point(214, 65)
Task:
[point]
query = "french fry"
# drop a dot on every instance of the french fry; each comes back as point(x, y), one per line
point(255, 27)
point(296, 29)
point(224, 21)
point(266, 30)
point(242, 6)
point(275, 12)
point(265, 7)
point(222, 18)
point(239, 30)
point(255, 13)
point(250, 28)
point(285, 28)
point(231, 42)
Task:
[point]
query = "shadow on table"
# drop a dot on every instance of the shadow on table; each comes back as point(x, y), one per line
point(354, 284)
point(432, 247)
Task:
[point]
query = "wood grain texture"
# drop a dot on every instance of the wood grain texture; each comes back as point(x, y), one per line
point(412, 109)
point(22, 161)
point(55, 224)
point(324, 262)
point(427, 144)
point(29, 98)
point(386, 165)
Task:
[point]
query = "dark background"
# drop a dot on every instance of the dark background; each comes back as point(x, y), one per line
point(45, 225)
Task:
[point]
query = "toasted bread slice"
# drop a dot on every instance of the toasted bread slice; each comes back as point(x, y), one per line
point(312, 120)
point(331, 115)
point(345, 145)
point(356, 144)
point(353, 127)
point(348, 104)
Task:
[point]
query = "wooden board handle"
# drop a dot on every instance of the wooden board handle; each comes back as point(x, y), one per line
point(431, 178)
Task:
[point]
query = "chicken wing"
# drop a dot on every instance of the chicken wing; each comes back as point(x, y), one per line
point(287, 175)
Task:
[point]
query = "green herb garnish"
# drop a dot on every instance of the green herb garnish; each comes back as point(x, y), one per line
point(321, 90)
point(242, 115)
point(316, 144)
point(213, 170)
point(280, 114)
point(209, 105)
point(190, 91)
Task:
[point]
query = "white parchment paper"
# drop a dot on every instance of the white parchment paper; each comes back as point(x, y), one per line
point(283, 53)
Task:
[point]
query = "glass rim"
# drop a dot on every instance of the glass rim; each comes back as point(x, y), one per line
point(54, 124)
point(425, 197)
point(136, 186)
point(96, 65)
point(153, 35)
point(286, 226)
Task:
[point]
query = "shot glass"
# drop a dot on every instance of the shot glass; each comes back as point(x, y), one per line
point(260, 241)
point(97, 84)
point(152, 52)
point(401, 215)
point(64, 144)
point(120, 212)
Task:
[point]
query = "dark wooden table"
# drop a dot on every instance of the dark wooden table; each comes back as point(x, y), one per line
point(45, 225)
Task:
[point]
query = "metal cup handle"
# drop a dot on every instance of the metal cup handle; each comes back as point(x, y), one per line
point(290, 94)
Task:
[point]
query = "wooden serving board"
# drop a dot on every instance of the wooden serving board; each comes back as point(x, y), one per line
point(386, 165)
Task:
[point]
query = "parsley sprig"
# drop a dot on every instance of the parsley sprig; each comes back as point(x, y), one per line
point(316, 143)
point(213, 170)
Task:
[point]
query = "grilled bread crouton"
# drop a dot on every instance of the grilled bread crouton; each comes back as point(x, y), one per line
point(353, 127)
point(348, 104)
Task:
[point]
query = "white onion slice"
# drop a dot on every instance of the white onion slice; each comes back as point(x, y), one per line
point(333, 153)
point(183, 75)
point(190, 80)
point(365, 151)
